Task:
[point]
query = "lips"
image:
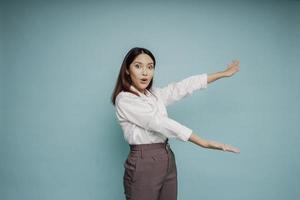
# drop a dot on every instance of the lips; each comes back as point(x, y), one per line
point(144, 79)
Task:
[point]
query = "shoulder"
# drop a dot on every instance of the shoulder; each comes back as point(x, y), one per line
point(124, 94)
point(126, 97)
point(155, 89)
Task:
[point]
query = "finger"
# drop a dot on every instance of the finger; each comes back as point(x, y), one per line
point(237, 62)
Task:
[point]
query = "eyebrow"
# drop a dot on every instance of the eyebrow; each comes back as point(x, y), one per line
point(142, 63)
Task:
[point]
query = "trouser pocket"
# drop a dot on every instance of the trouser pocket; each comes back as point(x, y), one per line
point(130, 166)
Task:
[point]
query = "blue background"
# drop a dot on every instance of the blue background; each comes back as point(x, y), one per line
point(60, 138)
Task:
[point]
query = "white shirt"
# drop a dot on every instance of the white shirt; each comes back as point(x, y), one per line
point(144, 119)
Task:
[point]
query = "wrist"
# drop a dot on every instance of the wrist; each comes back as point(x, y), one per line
point(222, 148)
point(223, 74)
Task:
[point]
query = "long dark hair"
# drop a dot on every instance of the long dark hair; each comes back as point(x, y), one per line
point(124, 81)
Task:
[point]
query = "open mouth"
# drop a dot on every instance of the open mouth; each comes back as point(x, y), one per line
point(144, 81)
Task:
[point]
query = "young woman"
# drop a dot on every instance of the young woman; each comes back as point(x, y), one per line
point(150, 168)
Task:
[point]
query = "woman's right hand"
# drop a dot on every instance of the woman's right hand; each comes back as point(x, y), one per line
point(232, 68)
point(227, 147)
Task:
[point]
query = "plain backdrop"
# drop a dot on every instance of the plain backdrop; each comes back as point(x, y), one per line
point(60, 139)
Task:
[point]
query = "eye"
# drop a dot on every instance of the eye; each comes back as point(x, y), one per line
point(150, 67)
point(137, 66)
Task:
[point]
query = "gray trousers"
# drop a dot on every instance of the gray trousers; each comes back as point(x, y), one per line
point(150, 173)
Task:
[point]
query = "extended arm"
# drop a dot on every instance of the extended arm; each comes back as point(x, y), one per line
point(232, 68)
point(178, 90)
point(212, 144)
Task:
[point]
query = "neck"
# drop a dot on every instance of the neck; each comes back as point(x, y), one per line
point(141, 91)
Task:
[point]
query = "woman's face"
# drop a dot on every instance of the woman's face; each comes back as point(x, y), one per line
point(141, 68)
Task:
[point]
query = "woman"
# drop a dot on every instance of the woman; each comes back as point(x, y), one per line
point(150, 168)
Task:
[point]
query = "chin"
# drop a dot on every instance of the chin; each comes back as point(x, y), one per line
point(143, 87)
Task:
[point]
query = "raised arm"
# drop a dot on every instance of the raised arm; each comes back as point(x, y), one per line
point(178, 90)
point(232, 68)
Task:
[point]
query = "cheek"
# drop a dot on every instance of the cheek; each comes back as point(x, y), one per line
point(152, 74)
point(133, 74)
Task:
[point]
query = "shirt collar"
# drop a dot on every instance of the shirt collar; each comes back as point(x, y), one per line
point(142, 94)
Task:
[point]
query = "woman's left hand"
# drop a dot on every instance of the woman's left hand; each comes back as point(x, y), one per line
point(232, 68)
point(227, 147)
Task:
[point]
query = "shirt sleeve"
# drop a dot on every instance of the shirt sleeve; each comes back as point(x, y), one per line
point(177, 90)
point(144, 115)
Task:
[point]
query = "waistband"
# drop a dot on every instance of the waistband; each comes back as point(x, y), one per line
point(149, 146)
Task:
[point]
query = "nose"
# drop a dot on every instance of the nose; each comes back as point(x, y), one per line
point(144, 71)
